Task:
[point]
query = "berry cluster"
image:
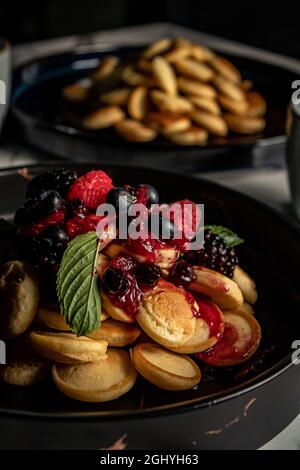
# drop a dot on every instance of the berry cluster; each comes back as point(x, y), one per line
point(214, 255)
point(60, 205)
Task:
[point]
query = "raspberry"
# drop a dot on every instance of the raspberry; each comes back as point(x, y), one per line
point(186, 217)
point(36, 229)
point(91, 188)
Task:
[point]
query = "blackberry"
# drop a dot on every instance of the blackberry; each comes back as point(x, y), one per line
point(214, 255)
point(60, 180)
point(75, 207)
point(148, 274)
point(47, 249)
point(182, 273)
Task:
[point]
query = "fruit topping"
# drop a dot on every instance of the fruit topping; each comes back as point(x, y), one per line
point(148, 274)
point(121, 199)
point(91, 188)
point(37, 228)
point(60, 180)
point(182, 273)
point(186, 217)
point(214, 255)
point(75, 207)
point(239, 342)
point(114, 281)
point(40, 206)
point(146, 194)
point(222, 290)
point(120, 284)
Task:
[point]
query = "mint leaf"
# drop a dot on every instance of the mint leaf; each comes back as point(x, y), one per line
point(77, 284)
point(230, 238)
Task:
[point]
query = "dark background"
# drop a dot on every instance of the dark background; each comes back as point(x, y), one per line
point(274, 26)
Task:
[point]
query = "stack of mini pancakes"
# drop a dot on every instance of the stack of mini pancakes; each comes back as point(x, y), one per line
point(176, 89)
point(104, 365)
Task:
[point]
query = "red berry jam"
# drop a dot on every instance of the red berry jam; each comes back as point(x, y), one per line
point(128, 296)
point(225, 349)
point(212, 316)
point(146, 248)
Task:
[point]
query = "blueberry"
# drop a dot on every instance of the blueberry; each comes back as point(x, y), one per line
point(38, 207)
point(114, 281)
point(147, 194)
point(121, 199)
point(54, 236)
point(165, 229)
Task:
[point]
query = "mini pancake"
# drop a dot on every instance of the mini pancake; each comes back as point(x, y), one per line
point(177, 53)
point(75, 92)
point(138, 103)
point(164, 75)
point(167, 315)
point(244, 124)
point(214, 124)
point(193, 69)
point(96, 381)
point(239, 342)
point(66, 347)
point(192, 136)
point(229, 89)
point(164, 257)
point(52, 318)
point(115, 312)
point(167, 122)
point(225, 68)
point(165, 369)
point(106, 67)
point(246, 284)
point(134, 131)
point(133, 77)
point(24, 367)
point(117, 97)
point(102, 118)
point(19, 298)
point(247, 85)
point(245, 308)
point(208, 330)
point(201, 53)
point(205, 104)
point(116, 333)
point(222, 290)
point(232, 105)
point(257, 105)
point(174, 104)
point(144, 65)
point(193, 87)
point(157, 47)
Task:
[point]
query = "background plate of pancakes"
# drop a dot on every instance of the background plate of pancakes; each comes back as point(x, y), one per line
point(49, 121)
point(245, 404)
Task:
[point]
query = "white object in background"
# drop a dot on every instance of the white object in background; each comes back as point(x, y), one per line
point(5, 78)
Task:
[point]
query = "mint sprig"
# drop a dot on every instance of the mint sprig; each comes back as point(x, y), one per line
point(230, 238)
point(77, 284)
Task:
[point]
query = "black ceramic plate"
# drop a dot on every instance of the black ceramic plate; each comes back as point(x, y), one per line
point(38, 107)
point(243, 396)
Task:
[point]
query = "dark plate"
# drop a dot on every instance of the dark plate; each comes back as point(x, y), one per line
point(38, 107)
point(238, 400)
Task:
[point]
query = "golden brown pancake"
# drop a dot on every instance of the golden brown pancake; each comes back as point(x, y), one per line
point(116, 333)
point(165, 369)
point(166, 315)
point(95, 381)
point(66, 347)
